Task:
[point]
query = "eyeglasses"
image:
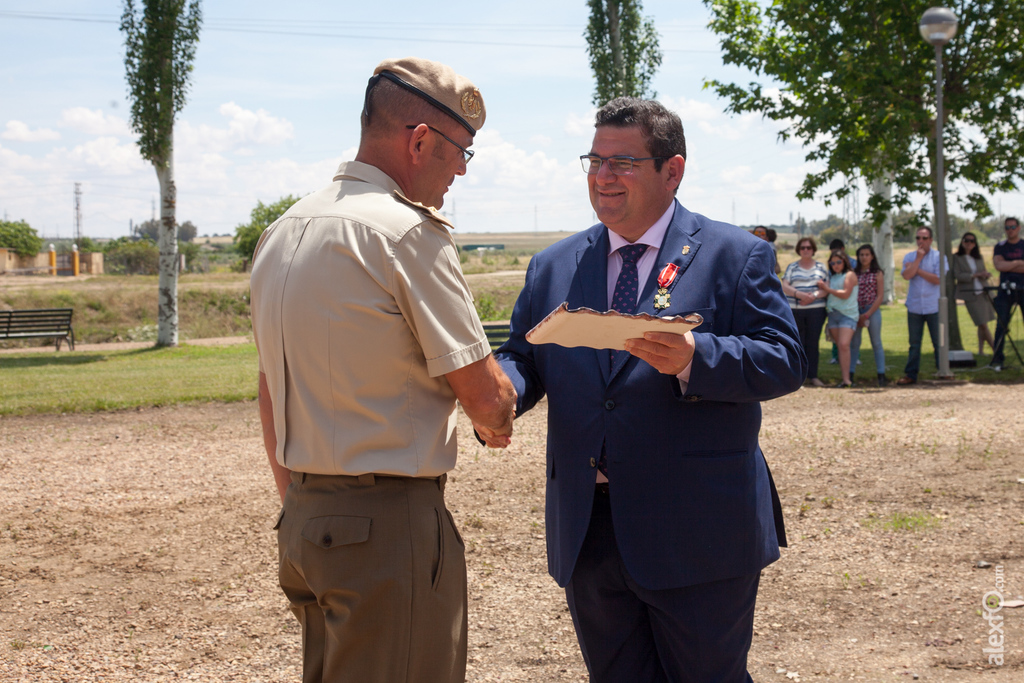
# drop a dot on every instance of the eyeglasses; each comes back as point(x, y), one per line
point(467, 154)
point(617, 165)
point(1011, 227)
point(806, 247)
point(968, 240)
point(922, 238)
point(835, 263)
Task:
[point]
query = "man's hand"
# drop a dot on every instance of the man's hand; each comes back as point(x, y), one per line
point(666, 352)
point(492, 437)
point(488, 399)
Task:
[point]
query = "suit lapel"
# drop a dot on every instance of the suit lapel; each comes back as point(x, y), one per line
point(592, 270)
point(679, 246)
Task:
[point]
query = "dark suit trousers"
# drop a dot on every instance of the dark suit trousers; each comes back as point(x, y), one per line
point(629, 634)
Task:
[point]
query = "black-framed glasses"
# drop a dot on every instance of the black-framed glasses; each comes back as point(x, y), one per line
point(921, 238)
point(806, 247)
point(619, 165)
point(467, 154)
point(1011, 227)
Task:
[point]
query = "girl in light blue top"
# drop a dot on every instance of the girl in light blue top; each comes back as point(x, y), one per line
point(842, 308)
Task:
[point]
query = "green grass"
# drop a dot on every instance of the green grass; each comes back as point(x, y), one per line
point(84, 381)
point(901, 521)
point(896, 345)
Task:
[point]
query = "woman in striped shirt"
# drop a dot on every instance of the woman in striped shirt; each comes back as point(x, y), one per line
point(800, 283)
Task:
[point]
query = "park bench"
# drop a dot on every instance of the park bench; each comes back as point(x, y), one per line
point(38, 323)
point(497, 333)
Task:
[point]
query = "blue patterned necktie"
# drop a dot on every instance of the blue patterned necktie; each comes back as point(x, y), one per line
point(624, 300)
point(626, 292)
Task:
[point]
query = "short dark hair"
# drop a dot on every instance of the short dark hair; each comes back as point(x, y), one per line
point(392, 107)
point(836, 244)
point(772, 235)
point(925, 227)
point(1011, 218)
point(662, 129)
point(814, 245)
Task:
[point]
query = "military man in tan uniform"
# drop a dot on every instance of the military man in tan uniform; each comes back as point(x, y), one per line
point(367, 335)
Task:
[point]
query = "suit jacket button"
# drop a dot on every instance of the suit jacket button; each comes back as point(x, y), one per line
point(327, 540)
point(593, 462)
point(609, 404)
point(692, 399)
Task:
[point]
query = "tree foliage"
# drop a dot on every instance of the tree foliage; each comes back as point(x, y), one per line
point(247, 235)
point(125, 256)
point(858, 90)
point(151, 229)
point(20, 237)
point(159, 49)
point(623, 49)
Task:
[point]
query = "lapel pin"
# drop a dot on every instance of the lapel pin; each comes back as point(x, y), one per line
point(686, 250)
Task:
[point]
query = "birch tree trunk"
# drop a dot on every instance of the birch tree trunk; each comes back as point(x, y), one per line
point(167, 288)
point(882, 238)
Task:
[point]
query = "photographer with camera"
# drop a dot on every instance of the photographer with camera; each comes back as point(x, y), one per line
point(1008, 258)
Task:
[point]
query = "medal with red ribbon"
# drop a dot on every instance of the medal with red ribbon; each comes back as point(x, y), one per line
point(662, 298)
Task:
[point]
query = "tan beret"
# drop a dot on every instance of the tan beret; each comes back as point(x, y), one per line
point(438, 84)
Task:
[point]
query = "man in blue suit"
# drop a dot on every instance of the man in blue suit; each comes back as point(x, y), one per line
point(661, 512)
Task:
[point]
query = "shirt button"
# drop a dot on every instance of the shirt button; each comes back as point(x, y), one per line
point(609, 404)
point(593, 462)
point(327, 540)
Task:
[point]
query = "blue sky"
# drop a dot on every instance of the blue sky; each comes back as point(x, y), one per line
point(275, 100)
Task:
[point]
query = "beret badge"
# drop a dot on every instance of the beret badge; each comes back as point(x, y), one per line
point(471, 103)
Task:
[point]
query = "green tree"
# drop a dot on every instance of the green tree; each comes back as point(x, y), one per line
point(20, 237)
point(125, 256)
point(247, 235)
point(623, 49)
point(857, 88)
point(187, 231)
point(160, 46)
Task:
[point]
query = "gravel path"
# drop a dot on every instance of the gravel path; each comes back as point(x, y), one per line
point(137, 546)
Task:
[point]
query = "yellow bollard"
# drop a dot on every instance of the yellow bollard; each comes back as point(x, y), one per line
point(74, 260)
point(53, 260)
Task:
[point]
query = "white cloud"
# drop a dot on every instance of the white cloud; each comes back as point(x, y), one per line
point(94, 122)
point(245, 128)
point(104, 154)
point(20, 132)
point(580, 126)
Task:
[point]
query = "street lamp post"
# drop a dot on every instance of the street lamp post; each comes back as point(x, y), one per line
point(938, 26)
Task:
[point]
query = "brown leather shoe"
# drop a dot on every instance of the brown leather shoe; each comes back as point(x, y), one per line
point(904, 381)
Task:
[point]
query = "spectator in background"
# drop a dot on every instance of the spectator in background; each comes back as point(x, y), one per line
point(1008, 258)
point(921, 269)
point(800, 284)
point(772, 236)
point(870, 290)
point(842, 309)
point(832, 246)
point(971, 276)
point(768, 236)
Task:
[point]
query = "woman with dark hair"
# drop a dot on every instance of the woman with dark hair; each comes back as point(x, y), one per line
point(800, 284)
point(970, 274)
point(842, 308)
point(870, 291)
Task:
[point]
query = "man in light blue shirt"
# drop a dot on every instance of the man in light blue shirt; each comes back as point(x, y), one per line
point(921, 269)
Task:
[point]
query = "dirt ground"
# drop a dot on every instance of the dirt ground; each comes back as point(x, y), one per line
point(138, 545)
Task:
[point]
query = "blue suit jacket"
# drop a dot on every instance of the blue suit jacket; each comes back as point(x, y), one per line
point(690, 493)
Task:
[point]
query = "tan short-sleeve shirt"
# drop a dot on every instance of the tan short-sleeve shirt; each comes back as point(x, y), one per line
point(359, 308)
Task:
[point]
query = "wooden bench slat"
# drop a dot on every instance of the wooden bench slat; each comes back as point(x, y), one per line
point(38, 323)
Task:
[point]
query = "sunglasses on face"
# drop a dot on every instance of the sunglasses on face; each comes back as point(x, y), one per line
point(806, 247)
point(1011, 227)
point(924, 238)
point(835, 263)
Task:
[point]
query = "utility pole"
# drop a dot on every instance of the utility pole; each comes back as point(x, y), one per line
point(78, 212)
point(152, 206)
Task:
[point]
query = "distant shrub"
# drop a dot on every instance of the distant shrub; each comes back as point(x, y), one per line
point(19, 237)
point(125, 257)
